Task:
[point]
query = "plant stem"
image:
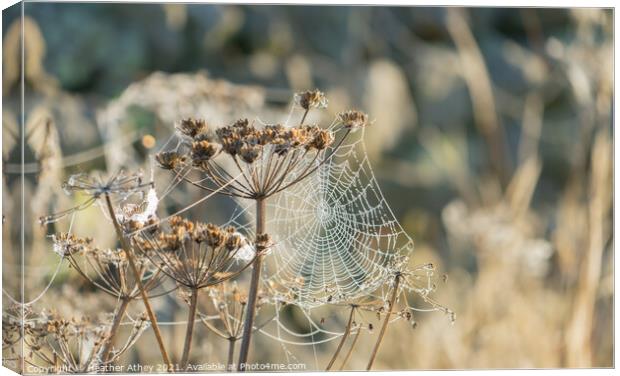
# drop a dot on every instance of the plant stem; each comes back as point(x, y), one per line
point(253, 293)
point(145, 299)
point(231, 354)
point(119, 312)
point(346, 358)
point(343, 340)
point(392, 302)
point(303, 118)
point(190, 328)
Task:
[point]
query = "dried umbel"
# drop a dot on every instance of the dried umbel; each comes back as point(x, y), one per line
point(66, 244)
point(353, 119)
point(226, 309)
point(107, 269)
point(73, 345)
point(311, 99)
point(191, 127)
point(170, 160)
point(95, 186)
point(225, 314)
point(14, 316)
point(195, 255)
point(266, 159)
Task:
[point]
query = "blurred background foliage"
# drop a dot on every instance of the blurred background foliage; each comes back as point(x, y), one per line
point(491, 140)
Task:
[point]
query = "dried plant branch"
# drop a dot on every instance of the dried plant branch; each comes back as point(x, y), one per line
point(392, 303)
point(190, 327)
point(145, 299)
point(253, 291)
point(347, 330)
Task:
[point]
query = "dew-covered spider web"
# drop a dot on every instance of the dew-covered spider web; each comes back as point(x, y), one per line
point(335, 236)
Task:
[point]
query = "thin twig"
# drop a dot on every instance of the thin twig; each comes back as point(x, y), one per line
point(128, 252)
point(343, 340)
point(118, 317)
point(346, 358)
point(392, 303)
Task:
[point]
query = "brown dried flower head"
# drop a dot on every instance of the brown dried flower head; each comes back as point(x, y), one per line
point(214, 235)
point(250, 153)
point(66, 244)
point(311, 99)
point(263, 241)
point(194, 254)
point(234, 239)
point(203, 151)
point(353, 119)
point(191, 127)
point(322, 140)
point(169, 160)
point(181, 227)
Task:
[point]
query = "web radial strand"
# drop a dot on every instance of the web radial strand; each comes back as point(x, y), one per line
point(335, 236)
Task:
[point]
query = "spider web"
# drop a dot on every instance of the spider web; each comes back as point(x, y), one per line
point(336, 238)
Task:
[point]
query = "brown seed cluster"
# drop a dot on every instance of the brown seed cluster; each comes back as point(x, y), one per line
point(311, 99)
point(267, 159)
point(170, 160)
point(248, 142)
point(263, 241)
point(105, 268)
point(191, 127)
point(245, 141)
point(66, 244)
point(194, 254)
point(151, 225)
point(183, 230)
point(203, 151)
point(353, 119)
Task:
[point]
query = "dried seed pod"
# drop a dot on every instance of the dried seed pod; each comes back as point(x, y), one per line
point(250, 153)
point(191, 127)
point(203, 151)
point(322, 140)
point(263, 240)
point(353, 119)
point(233, 242)
point(169, 160)
point(215, 237)
point(311, 99)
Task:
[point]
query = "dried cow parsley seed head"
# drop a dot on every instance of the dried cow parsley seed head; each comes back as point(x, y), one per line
point(191, 127)
point(203, 151)
point(233, 242)
point(263, 240)
point(214, 236)
point(322, 139)
point(250, 153)
point(66, 244)
point(194, 254)
point(96, 184)
point(311, 99)
point(353, 119)
point(169, 160)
